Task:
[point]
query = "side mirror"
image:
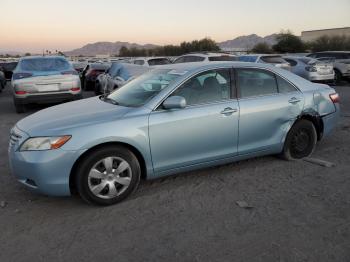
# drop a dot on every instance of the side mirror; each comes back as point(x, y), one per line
point(174, 102)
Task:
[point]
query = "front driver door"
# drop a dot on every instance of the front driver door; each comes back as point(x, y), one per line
point(206, 130)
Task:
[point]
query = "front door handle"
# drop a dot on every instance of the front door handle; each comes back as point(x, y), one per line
point(228, 111)
point(294, 100)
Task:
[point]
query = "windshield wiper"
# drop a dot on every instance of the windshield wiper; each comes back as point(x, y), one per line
point(105, 98)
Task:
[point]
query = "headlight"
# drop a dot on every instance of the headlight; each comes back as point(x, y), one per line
point(44, 143)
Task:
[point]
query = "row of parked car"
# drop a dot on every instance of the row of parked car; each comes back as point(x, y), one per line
point(49, 79)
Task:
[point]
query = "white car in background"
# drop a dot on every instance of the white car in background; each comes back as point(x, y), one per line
point(151, 61)
point(275, 60)
point(204, 57)
point(311, 69)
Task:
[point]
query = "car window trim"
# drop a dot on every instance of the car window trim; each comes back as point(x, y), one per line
point(158, 106)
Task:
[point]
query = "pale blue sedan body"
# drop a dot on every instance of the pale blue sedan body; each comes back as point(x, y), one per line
point(170, 141)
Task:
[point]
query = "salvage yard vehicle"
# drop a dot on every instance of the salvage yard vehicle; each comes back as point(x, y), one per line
point(118, 75)
point(341, 62)
point(275, 60)
point(151, 61)
point(175, 118)
point(311, 69)
point(90, 74)
point(205, 57)
point(44, 79)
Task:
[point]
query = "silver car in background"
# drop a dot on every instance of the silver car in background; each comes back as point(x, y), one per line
point(311, 69)
point(151, 61)
point(118, 75)
point(44, 79)
point(275, 60)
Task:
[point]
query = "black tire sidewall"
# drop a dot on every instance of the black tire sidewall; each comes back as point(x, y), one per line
point(87, 163)
point(310, 128)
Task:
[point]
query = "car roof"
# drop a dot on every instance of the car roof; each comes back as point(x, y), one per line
point(198, 66)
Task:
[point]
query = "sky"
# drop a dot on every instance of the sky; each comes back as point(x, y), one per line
point(34, 25)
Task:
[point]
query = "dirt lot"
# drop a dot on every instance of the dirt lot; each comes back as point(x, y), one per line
point(300, 212)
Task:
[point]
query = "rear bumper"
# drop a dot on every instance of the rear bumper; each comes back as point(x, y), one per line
point(320, 78)
point(47, 98)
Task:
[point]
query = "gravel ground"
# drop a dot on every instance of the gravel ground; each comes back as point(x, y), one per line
point(298, 211)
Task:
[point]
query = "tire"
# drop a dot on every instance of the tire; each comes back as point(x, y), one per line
point(301, 140)
point(95, 183)
point(20, 108)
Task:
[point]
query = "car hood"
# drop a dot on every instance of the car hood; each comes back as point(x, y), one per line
point(53, 120)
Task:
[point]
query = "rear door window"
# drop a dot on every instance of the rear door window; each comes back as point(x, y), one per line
point(256, 82)
point(284, 86)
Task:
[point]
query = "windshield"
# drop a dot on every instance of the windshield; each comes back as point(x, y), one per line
point(142, 89)
point(45, 64)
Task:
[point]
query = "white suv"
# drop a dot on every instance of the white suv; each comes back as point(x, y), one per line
point(205, 57)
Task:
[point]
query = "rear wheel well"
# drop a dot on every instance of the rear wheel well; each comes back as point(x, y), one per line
point(317, 122)
point(136, 152)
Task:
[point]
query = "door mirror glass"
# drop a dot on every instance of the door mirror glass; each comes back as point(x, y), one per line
point(174, 102)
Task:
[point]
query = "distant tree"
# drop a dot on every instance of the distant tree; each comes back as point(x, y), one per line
point(287, 42)
point(124, 51)
point(27, 54)
point(261, 48)
point(330, 43)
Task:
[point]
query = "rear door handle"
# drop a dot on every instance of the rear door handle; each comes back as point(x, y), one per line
point(228, 111)
point(294, 100)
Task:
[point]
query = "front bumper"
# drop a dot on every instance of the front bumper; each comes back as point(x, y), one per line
point(45, 172)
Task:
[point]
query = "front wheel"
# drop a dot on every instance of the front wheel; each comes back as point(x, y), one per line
point(301, 140)
point(108, 175)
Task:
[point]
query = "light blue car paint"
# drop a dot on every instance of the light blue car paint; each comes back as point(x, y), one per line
point(170, 141)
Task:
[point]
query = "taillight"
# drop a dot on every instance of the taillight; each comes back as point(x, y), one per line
point(310, 69)
point(335, 98)
point(20, 92)
point(71, 72)
point(75, 89)
point(16, 76)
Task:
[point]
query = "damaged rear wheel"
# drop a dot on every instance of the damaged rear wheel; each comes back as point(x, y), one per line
point(301, 140)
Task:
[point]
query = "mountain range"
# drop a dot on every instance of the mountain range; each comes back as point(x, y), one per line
point(110, 48)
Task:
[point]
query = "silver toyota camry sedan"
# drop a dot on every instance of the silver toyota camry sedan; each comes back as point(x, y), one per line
point(175, 118)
